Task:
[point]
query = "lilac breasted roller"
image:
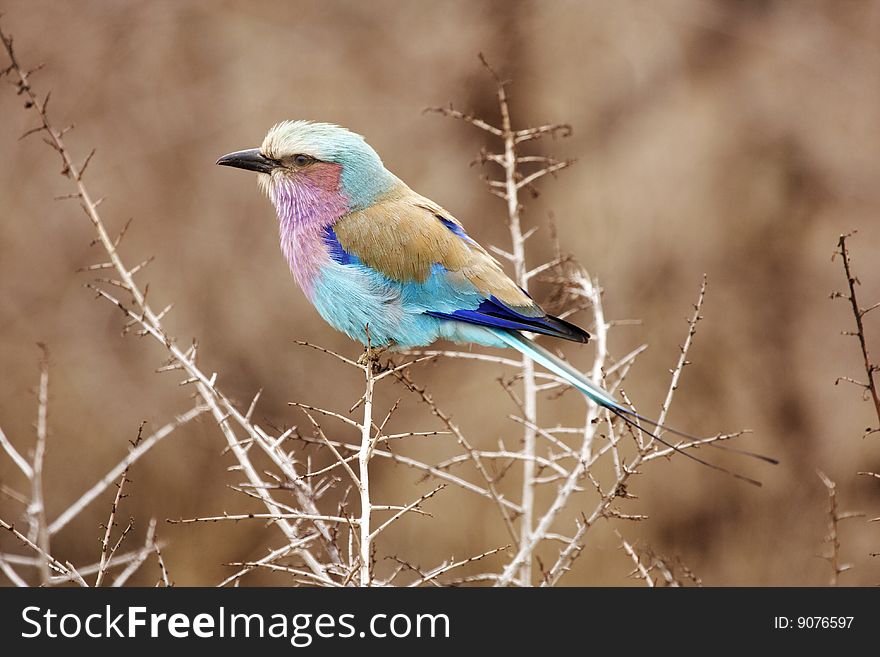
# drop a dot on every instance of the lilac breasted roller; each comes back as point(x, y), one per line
point(368, 251)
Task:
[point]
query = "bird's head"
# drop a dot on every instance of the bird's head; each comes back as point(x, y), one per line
point(315, 159)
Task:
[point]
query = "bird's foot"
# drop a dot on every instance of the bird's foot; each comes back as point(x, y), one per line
point(371, 357)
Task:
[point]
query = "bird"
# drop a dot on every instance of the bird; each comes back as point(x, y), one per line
point(391, 268)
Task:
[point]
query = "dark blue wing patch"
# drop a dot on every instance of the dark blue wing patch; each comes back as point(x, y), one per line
point(337, 253)
point(454, 228)
point(493, 313)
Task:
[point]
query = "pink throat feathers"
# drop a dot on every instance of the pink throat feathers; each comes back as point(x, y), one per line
point(306, 205)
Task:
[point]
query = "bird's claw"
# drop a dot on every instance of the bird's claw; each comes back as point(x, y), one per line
point(371, 357)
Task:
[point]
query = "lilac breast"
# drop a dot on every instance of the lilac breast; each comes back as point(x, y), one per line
point(306, 205)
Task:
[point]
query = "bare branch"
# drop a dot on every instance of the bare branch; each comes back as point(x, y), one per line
point(106, 551)
point(871, 368)
point(833, 536)
point(453, 113)
point(36, 511)
point(13, 576)
point(682, 359)
point(409, 507)
point(442, 569)
point(259, 516)
point(139, 557)
point(269, 558)
point(640, 567)
point(17, 458)
point(540, 173)
point(54, 564)
point(166, 579)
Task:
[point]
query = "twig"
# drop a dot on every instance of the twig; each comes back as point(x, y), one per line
point(833, 536)
point(17, 458)
point(259, 516)
point(139, 557)
point(36, 511)
point(682, 359)
point(489, 358)
point(640, 567)
point(692, 444)
point(339, 458)
point(54, 564)
point(412, 506)
point(13, 576)
point(119, 560)
point(310, 578)
point(278, 553)
point(859, 313)
point(166, 579)
point(442, 569)
point(106, 551)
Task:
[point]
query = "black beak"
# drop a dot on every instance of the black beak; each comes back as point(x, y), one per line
point(251, 159)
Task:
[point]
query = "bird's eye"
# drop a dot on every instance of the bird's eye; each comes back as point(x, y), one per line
point(301, 160)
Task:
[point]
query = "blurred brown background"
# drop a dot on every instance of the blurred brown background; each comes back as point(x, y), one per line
point(733, 138)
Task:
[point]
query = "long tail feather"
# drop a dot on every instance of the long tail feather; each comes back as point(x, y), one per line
point(602, 397)
point(541, 355)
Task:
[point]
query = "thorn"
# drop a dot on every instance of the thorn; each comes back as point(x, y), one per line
point(101, 265)
point(137, 268)
point(28, 133)
point(85, 165)
point(122, 232)
point(164, 311)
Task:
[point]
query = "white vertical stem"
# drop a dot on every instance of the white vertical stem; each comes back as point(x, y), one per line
point(36, 511)
point(364, 478)
point(530, 397)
